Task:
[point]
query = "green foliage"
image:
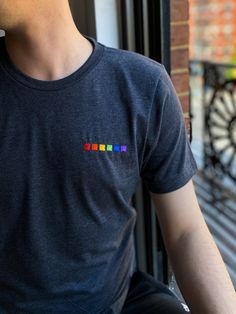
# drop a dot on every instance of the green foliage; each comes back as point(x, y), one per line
point(231, 73)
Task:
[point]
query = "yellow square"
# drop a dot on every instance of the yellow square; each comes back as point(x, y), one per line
point(102, 146)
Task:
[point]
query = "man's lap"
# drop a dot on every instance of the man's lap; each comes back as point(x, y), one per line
point(149, 296)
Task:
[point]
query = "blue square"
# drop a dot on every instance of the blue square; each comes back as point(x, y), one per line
point(116, 148)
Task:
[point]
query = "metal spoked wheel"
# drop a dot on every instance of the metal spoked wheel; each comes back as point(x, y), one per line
point(221, 124)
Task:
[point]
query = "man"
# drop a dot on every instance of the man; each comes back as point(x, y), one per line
point(80, 124)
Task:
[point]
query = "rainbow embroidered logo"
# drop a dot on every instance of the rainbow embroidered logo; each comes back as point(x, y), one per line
point(105, 147)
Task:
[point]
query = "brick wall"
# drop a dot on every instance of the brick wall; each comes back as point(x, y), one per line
point(180, 52)
point(213, 30)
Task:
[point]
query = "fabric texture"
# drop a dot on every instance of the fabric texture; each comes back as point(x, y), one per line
point(150, 296)
point(72, 152)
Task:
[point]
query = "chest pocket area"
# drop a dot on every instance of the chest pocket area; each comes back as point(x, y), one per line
point(110, 166)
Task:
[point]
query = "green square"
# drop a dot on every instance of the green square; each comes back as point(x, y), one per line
point(109, 147)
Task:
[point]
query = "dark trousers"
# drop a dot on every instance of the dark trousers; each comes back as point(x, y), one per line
point(146, 295)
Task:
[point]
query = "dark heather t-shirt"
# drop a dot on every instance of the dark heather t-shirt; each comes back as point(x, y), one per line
point(72, 152)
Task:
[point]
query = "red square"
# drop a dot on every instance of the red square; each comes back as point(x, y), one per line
point(86, 146)
point(94, 146)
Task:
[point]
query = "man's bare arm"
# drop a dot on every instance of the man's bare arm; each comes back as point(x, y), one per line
point(198, 266)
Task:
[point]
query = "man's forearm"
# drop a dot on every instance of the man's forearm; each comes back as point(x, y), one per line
point(201, 274)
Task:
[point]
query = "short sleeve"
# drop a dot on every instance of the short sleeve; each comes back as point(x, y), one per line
point(168, 162)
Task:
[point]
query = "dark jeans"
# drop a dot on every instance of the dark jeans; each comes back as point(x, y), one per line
point(146, 295)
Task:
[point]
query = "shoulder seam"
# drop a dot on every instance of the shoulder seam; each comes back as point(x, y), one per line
point(148, 120)
point(124, 51)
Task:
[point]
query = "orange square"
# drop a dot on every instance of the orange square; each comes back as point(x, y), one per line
point(94, 146)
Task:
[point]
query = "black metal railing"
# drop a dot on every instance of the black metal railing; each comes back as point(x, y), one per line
point(219, 109)
point(215, 183)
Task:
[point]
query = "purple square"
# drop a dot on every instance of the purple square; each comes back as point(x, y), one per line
point(123, 148)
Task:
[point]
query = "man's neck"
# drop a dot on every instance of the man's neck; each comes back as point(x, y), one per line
point(48, 50)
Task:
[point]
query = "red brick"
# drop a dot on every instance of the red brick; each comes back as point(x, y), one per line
point(181, 81)
point(208, 22)
point(179, 10)
point(184, 100)
point(179, 58)
point(179, 34)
